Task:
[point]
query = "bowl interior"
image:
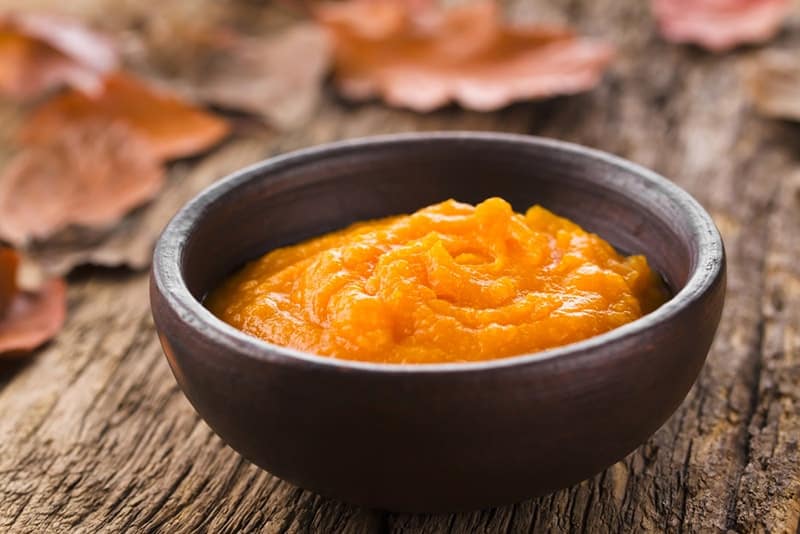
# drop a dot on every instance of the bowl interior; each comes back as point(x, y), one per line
point(308, 193)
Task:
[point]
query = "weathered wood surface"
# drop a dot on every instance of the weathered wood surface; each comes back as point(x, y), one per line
point(95, 434)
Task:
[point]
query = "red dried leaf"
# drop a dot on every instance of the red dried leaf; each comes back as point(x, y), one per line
point(69, 37)
point(173, 127)
point(773, 84)
point(27, 319)
point(720, 25)
point(424, 58)
point(90, 174)
point(9, 262)
point(33, 318)
point(130, 242)
point(39, 52)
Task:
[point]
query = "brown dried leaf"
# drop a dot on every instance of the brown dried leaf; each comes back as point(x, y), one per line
point(173, 127)
point(27, 319)
point(171, 41)
point(720, 25)
point(33, 318)
point(90, 174)
point(278, 78)
point(130, 242)
point(424, 58)
point(39, 52)
point(9, 262)
point(773, 83)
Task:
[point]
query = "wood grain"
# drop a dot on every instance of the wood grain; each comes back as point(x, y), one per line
point(96, 436)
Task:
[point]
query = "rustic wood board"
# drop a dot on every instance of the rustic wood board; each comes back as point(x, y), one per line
point(95, 434)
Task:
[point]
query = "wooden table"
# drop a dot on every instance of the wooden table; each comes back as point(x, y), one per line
point(95, 434)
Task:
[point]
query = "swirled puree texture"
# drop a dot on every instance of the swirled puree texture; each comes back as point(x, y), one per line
point(450, 283)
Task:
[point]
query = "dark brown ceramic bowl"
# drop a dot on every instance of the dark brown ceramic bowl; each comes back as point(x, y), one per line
point(441, 437)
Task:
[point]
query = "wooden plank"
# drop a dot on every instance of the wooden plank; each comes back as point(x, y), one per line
point(94, 433)
point(768, 495)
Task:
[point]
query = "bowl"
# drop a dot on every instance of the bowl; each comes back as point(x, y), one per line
point(437, 437)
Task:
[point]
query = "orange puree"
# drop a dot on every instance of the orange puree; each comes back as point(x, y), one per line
point(450, 283)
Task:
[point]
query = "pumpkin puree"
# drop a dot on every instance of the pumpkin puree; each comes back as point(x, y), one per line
point(450, 283)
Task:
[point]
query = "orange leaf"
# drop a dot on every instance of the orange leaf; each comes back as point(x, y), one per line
point(9, 261)
point(33, 318)
point(87, 174)
point(422, 58)
point(38, 52)
point(173, 127)
point(720, 25)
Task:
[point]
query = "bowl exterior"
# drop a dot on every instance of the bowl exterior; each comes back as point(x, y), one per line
point(442, 442)
point(437, 438)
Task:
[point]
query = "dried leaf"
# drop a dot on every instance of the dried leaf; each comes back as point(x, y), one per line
point(33, 318)
point(424, 58)
point(9, 262)
point(171, 41)
point(773, 83)
point(130, 242)
point(90, 174)
point(27, 319)
point(278, 78)
point(39, 52)
point(173, 127)
point(720, 25)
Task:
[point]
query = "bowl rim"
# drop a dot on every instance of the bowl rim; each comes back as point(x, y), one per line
point(168, 279)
